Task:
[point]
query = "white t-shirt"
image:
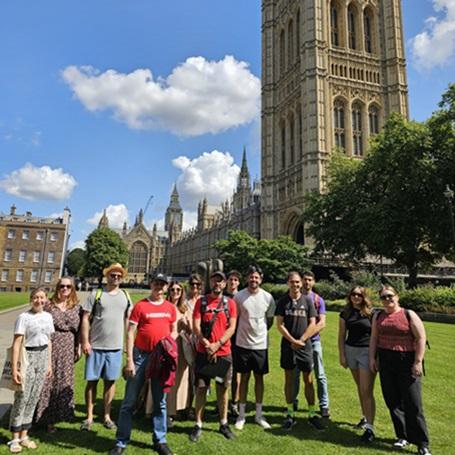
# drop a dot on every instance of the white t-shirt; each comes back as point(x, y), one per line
point(253, 311)
point(36, 328)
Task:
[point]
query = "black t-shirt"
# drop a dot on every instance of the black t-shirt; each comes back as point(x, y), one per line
point(358, 328)
point(296, 314)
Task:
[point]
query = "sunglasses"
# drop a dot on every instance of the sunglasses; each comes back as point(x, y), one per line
point(115, 275)
point(175, 290)
point(195, 284)
point(387, 296)
point(65, 286)
point(356, 294)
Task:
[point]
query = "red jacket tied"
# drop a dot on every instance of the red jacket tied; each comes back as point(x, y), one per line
point(162, 363)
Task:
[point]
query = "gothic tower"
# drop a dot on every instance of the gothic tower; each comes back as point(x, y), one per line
point(242, 194)
point(173, 220)
point(332, 72)
point(104, 221)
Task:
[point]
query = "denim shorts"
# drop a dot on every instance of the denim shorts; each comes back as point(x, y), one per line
point(357, 357)
point(101, 364)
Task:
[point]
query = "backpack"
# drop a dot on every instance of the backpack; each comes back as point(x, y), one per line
point(99, 293)
point(206, 327)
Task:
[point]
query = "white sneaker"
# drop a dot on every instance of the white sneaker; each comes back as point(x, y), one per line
point(263, 423)
point(400, 444)
point(239, 423)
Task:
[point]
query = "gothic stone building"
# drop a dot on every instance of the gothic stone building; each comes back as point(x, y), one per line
point(332, 72)
point(32, 250)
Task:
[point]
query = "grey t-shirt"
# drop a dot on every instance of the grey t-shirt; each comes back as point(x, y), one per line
point(253, 311)
point(108, 323)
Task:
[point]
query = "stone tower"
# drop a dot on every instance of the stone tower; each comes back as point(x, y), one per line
point(173, 220)
point(242, 194)
point(332, 72)
point(104, 221)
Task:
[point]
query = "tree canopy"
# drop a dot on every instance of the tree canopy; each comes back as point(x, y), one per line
point(75, 262)
point(102, 248)
point(275, 257)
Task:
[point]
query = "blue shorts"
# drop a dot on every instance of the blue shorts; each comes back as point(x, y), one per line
point(102, 364)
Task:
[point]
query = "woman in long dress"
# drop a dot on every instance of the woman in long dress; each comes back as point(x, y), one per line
point(56, 403)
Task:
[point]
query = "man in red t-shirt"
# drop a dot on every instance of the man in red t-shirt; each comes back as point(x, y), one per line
point(214, 320)
point(151, 320)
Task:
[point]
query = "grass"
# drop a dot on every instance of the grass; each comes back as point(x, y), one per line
point(13, 299)
point(340, 437)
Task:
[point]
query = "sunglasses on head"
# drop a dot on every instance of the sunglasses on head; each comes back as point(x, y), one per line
point(387, 296)
point(65, 286)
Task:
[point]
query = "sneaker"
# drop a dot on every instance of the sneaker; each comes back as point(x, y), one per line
point(316, 422)
point(324, 412)
point(163, 449)
point(400, 444)
point(196, 433)
point(109, 424)
point(226, 431)
point(288, 423)
point(86, 425)
point(117, 450)
point(170, 422)
point(239, 423)
point(424, 451)
point(361, 424)
point(368, 436)
point(263, 423)
point(233, 410)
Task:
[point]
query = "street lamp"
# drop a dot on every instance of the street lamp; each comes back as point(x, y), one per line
point(449, 195)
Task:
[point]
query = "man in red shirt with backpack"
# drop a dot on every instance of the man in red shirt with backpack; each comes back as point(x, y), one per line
point(214, 320)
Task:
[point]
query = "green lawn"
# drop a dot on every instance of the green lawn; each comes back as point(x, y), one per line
point(13, 299)
point(339, 438)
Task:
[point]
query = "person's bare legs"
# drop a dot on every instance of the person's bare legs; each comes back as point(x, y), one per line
point(201, 397)
point(90, 397)
point(366, 385)
point(244, 380)
point(310, 395)
point(108, 397)
point(222, 400)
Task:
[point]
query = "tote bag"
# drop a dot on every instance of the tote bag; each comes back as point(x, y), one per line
point(6, 381)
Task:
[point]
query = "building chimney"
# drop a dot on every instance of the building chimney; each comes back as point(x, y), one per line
point(13, 210)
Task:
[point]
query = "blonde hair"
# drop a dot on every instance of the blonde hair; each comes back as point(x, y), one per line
point(365, 306)
point(181, 302)
point(72, 299)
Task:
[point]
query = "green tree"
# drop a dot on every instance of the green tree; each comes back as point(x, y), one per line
point(75, 262)
point(275, 257)
point(102, 248)
point(380, 207)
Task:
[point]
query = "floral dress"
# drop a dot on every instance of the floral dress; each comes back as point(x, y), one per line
point(56, 403)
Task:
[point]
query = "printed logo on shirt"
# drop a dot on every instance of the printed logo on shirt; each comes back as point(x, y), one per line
point(295, 312)
point(158, 315)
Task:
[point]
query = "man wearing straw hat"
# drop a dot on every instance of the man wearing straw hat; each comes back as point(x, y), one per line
point(105, 314)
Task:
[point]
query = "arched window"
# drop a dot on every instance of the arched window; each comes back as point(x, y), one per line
point(368, 30)
point(138, 258)
point(282, 53)
point(283, 145)
point(334, 26)
point(297, 34)
point(352, 38)
point(292, 139)
point(290, 43)
point(373, 119)
point(357, 148)
point(338, 124)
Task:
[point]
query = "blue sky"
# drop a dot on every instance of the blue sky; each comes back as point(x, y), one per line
point(104, 103)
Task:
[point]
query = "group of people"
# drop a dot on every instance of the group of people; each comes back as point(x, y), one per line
point(176, 344)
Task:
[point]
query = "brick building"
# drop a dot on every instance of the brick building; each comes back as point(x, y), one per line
point(32, 250)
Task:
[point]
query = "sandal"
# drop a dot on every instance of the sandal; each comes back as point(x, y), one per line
point(15, 446)
point(28, 443)
point(86, 425)
point(109, 424)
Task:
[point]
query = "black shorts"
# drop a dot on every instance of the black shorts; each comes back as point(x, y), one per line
point(291, 358)
point(204, 381)
point(246, 360)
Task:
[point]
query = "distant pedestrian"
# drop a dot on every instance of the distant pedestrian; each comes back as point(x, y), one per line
point(33, 329)
point(104, 318)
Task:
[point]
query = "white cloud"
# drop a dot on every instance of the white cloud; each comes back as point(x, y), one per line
point(198, 97)
point(78, 244)
point(116, 214)
point(35, 183)
point(435, 46)
point(212, 175)
point(189, 219)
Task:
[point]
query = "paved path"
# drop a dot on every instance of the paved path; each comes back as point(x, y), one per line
point(7, 319)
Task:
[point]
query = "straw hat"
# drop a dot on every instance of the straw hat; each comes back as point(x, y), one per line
point(115, 266)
